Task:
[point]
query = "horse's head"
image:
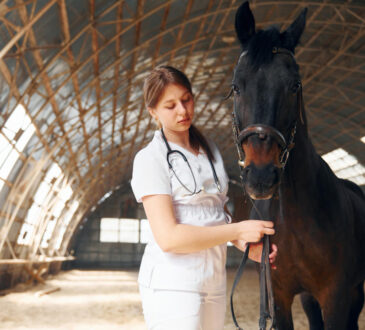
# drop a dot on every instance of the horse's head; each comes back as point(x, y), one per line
point(267, 98)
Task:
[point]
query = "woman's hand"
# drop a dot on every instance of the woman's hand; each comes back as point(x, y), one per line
point(256, 251)
point(253, 231)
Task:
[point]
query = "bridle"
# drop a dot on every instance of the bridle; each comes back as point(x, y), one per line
point(266, 292)
point(286, 145)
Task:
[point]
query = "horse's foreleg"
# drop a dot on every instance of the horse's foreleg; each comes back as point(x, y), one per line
point(313, 311)
point(357, 303)
point(284, 320)
point(335, 308)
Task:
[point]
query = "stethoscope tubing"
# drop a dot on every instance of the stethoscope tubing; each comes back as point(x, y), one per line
point(170, 152)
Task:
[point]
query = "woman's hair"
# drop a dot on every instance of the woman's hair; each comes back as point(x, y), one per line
point(153, 87)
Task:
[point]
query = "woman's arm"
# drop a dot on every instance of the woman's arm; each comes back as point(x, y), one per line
point(180, 238)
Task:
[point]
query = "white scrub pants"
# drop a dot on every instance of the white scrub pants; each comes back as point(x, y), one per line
point(183, 310)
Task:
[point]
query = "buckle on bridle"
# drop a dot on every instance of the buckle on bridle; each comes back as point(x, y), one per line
point(284, 158)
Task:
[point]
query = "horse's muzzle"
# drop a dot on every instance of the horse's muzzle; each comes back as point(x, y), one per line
point(261, 182)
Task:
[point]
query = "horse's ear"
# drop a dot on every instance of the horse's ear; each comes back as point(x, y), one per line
point(293, 33)
point(244, 23)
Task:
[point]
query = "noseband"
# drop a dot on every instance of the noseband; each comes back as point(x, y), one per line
point(267, 303)
point(266, 130)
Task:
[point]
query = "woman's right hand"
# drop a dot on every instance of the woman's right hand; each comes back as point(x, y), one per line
point(252, 231)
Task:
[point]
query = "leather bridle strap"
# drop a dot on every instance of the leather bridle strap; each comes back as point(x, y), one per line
point(266, 292)
point(262, 130)
point(236, 281)
point(267, 304)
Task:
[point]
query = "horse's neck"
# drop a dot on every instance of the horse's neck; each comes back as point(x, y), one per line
point(297, 183)
point(303, 163)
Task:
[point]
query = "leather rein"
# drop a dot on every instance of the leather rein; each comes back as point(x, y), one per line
point(267, 303)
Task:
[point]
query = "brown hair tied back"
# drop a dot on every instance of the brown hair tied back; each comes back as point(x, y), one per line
point(153, 87)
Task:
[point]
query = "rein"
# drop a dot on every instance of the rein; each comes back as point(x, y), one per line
point(267, 303)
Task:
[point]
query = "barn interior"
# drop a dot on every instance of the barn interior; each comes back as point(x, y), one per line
point(72, 118)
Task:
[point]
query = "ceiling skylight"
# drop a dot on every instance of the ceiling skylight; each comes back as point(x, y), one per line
point(14, 136)
point(345, 165)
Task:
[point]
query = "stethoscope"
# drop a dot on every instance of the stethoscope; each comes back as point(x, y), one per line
point(177, 152)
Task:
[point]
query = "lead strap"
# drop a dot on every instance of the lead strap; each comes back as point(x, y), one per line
point(235, 282)
point(267, 311)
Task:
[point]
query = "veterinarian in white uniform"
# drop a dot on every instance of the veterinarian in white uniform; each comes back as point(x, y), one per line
point(182, 277)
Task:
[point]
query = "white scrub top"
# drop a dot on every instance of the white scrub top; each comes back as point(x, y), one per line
point(198, 271)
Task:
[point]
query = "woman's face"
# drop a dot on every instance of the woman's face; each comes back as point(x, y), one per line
point(175, 109)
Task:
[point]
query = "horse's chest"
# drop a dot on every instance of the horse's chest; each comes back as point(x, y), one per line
point(301, 263)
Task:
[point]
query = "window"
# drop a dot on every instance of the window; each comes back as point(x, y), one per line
point(52, 187)
point(41, 199)
point(63, 196)
point(146, 232)
point(109, 229)
point(345, 165)
point(124, 230)
point(59, 239)
point(51, 226)
point(25, 234)
point(30, 220)
point(14, 136)
point(48, 233)
point(128, 231)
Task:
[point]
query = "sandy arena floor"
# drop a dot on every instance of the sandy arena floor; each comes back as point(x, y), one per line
point(110, 300)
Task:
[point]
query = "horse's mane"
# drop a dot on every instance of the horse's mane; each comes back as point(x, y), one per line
point(354, 187)
point(259, 47)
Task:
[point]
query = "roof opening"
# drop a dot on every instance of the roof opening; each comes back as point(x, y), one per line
point(345, 165)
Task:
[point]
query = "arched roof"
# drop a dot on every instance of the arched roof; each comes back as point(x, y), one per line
point(71, 107)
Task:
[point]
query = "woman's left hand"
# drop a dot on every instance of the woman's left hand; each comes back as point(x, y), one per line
point(256, 251)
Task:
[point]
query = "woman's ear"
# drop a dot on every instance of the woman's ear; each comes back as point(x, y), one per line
point(154, 116)
point(152, 112)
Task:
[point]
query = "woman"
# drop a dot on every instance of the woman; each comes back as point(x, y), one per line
point(181, 181)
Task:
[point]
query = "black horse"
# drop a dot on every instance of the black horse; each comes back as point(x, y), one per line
point(319, 218)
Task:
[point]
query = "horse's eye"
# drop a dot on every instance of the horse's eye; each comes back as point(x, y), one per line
point(296, 86)
point(236, 90)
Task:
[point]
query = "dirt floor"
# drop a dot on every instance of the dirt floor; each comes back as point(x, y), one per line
point(110, 300)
